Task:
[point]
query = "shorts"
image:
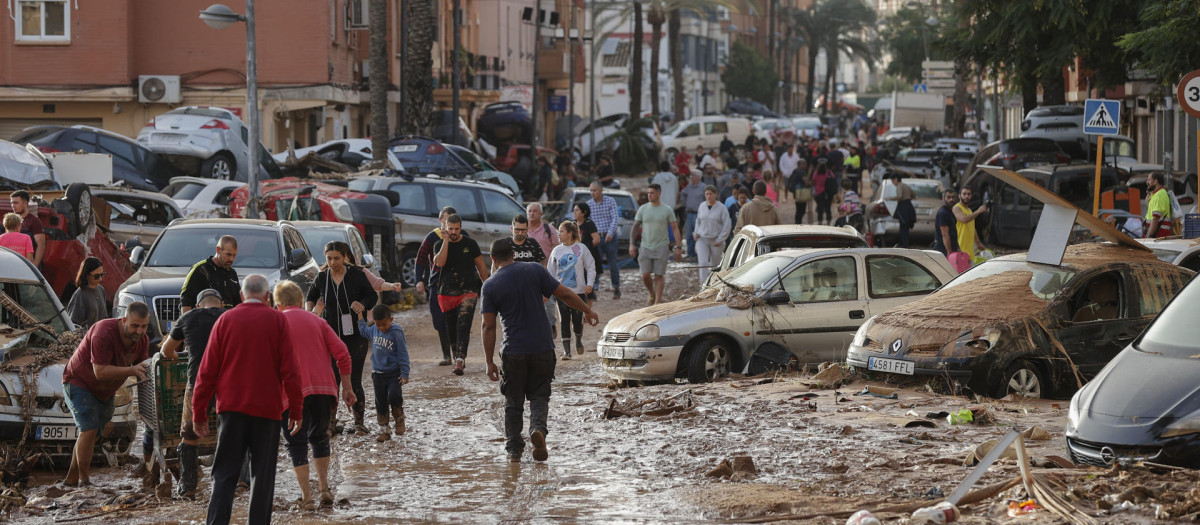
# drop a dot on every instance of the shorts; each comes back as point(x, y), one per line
point(653, 260)
point(89, 413)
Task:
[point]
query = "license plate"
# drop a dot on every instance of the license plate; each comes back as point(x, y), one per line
point(169, 138)
point(168, 330)
point(58, 432)
point(612, 352)
point(404, 148)
point(894, 366)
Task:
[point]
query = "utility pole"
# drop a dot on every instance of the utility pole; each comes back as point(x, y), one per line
point(252, 203)
point(571, 86)
point(457, 21)
point(402, 121)
point(537, 52)
point(592, 88)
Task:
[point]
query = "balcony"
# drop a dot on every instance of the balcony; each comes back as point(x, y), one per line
point(554, 63)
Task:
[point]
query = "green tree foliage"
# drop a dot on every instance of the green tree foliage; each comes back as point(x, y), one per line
point(750, 74)
point(905, 36)
point(831, 24)
point(1165, 45)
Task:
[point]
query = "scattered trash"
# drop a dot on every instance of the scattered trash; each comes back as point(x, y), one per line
point(1123, 506)
point(1019, 508)
point(983, 449)
point(937, 415)
point(960, 417)
point(924, 423)
point(944, 512)
point(910, 440)
point(862, 517)
point(879, 391)
point(804, 397)
point(846, 430)
point(935, 493)
point(652, 407)
point(981, 416)
point(1060, 461)
point(831, 375)
point(911, 413)
point(740, 468)
point(1036, 433)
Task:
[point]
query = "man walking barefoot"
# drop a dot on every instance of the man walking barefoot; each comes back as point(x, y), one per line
point(515, 292)
point(650, 227)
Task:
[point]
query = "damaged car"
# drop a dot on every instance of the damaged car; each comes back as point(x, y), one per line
point(798, 305)
point(1011, 326)
point(1144, 406)
point(36, 340)
point(752, 241)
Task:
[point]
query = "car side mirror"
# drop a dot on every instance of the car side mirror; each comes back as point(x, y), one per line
point(778, 297)
point(297, 258)
point(368, 260)
point(137, 255)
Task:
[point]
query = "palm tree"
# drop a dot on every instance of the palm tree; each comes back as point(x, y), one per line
point(835, 26)
point(419, 70)
point(378, 82)
point(656, 17)
point(635, 79)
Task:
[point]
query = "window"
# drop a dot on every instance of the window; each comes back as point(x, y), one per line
point(43, 21)
point(833, 279)
point(131, 210)
point(890, 276)
point(500, 209)
point(412, 199)
point(690, 131)
point(358, 14)
point(736, 253)
point(1099, 300)
point(626, 206)
point(122, 152)
point(462, 199)
point(712, 128)
point(1156, 290)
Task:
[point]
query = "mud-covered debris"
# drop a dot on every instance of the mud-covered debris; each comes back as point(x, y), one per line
point(846, 430)
point(831, 375)
point(724, 469)
point(880, 392)
point(681, 402)
point(737, 468)
point(923, 423)
point(1036, 433)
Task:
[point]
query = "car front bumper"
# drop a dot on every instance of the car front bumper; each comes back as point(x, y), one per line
point(121, 431)
point(858, 357)
point(646, 363)
point(1183, 451)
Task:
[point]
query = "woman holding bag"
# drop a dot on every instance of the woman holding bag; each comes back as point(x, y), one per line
point(339, 292)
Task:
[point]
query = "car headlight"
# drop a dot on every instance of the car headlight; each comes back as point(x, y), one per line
point(341, 210)
point(1073, 413)
point(123, 301)
point(980, 345)
point(860, 337)
point(646, 333)
point(1189, 424)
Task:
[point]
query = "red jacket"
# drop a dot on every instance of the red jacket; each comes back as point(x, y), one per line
point(249, 365)
point(316, 343)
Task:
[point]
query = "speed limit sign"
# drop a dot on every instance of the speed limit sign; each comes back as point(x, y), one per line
point(1188, 93)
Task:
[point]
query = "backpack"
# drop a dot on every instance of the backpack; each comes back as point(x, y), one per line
point(831, 185)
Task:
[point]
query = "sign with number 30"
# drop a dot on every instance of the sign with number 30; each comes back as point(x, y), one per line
point(1188, 93)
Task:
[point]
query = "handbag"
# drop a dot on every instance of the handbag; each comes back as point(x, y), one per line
point(802, 194)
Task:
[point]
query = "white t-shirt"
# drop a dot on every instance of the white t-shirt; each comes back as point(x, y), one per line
point(788, 163)
point(670, 188)
point(573, 266)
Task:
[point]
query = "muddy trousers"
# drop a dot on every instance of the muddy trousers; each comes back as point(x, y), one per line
point(389, 393)
point(570, 318)
point(458, 327)
point(315, 431)
point(237, 435)
point(439, 321)
point(525, 377)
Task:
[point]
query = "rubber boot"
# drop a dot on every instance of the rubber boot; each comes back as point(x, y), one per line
point(384, 435)
point(566, 348)
point(398, 415)
point(189, 471)
point(579, 344)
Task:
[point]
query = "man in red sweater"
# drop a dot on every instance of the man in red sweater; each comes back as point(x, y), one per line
point(250, 367)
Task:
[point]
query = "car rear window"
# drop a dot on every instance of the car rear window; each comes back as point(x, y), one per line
point(1032, 145)
point(183, 191)
point(204, 112)
point(317, 238)
point(184, 247)
point(421, 157)
point(775, 244)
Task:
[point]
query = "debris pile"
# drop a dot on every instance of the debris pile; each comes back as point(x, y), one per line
point(681, 402)
point(737, 468)
point(30, 362)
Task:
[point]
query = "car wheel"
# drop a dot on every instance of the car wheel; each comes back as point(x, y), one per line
point(80, 199)
point(220, 166)
point(408, 267)
point(710, 360)
point(1024, 379)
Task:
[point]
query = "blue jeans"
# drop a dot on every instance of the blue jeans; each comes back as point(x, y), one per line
point(609, 250)
point(689, 226)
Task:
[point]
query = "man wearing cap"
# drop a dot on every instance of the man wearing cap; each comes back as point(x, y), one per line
point(215, 272)
point(192, 329)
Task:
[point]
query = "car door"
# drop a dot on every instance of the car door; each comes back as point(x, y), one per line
point(827, 307)
point(714, 132)
point(465, 200)
point(1100, 321)
point(894, 280)
point(358, 245)
point(303, 275)
point(499, 210)
point(690, 136)
point(1011, 219)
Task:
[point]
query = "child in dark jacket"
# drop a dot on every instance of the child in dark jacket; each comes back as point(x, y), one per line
point(389, 367)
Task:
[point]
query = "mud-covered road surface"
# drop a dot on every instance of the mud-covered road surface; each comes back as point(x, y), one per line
point(813, 456)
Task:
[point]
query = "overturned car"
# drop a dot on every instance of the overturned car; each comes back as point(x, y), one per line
point(1014, 326)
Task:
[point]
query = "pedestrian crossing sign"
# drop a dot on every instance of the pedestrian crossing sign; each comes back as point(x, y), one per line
point(1101, 116)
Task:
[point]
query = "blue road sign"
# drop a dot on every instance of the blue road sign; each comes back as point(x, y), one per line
point(920, 88)
point(1101, 116)
point(556, 103)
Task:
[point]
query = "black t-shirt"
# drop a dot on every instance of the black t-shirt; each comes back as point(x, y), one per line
point(945, 217)
point(193, 328)
point(206, 274)
point(515, 294)
point(459, 275)
point(339, 297)
point(530, 251)
point(585, 236)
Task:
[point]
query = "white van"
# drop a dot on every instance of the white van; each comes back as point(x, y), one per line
point(704, 131)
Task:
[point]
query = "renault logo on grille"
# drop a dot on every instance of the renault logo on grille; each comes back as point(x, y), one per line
point(897, 345)
point(1108, 455)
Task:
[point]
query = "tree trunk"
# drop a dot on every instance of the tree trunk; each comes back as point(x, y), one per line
point(810, 88)
point(958, 120)
point(635, 77)
point(830, 72)
point(420, 68)
point(378, 81)
point(676, 55)
point(1054, 89)
point(655, 18)
point(1029, 91)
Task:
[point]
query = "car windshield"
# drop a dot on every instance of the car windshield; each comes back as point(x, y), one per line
point(187, 246)
point(758, 271)
point(1165, 255)
point(926, 191)
point(183, 191)
point(775, 244)
point(1175, 332)
point(675, 127)
point(317, 238)
point(428, 157)
point(35, 302)
point(1044, 281)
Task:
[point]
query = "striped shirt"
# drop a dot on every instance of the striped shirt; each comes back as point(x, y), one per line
point(604, 214)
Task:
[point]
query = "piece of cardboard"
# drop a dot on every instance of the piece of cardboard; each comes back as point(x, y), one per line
point(1053, 232)
point(1089, 221)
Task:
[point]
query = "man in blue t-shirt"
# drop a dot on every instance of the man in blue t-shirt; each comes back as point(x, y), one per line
point(945, 232)
point(515, 291)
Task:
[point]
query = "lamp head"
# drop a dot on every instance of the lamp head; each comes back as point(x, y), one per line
point(220, 16)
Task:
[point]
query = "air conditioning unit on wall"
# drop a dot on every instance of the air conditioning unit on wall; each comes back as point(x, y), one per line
point(159, 89)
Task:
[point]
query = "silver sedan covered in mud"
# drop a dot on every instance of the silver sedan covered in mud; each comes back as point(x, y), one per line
point(1030, 329)
point(800, 304)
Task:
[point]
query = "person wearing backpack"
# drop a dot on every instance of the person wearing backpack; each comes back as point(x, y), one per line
point(824, 188)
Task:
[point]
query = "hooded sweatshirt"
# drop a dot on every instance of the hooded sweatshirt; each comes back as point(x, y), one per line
point(759, 212)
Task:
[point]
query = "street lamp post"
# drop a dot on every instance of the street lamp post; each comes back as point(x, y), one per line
point(219, 16)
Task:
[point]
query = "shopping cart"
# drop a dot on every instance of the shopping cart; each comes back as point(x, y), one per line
point(160, 404)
